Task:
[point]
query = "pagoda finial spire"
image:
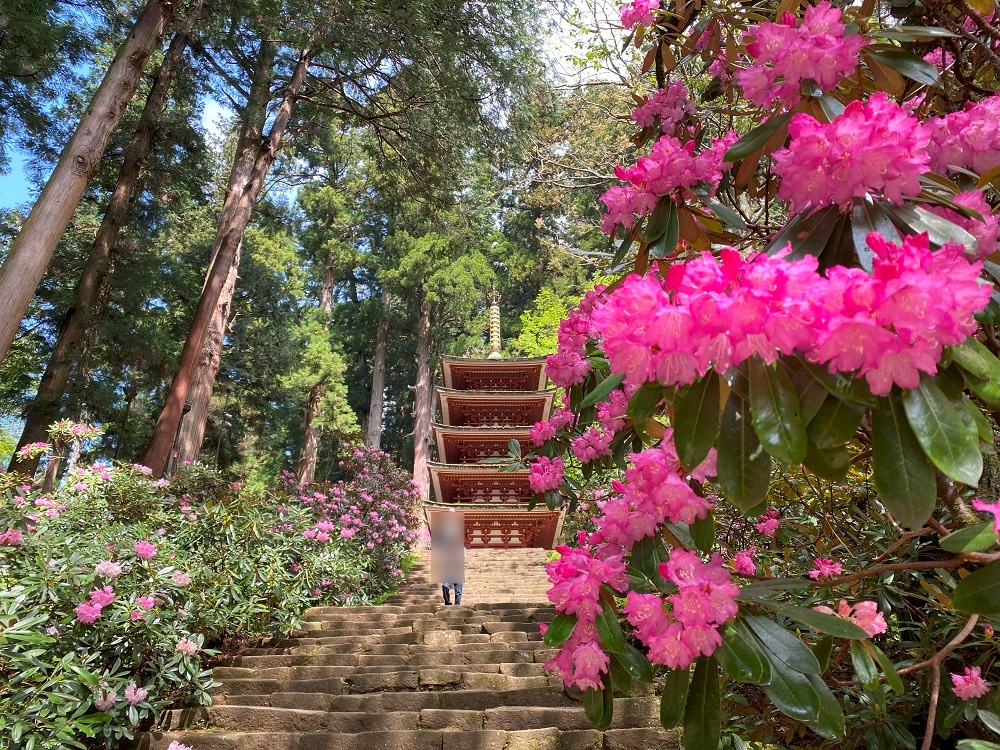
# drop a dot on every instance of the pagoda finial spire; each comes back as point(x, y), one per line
point(494, 298)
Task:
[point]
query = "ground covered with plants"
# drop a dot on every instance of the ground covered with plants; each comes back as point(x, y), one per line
point(118, 589)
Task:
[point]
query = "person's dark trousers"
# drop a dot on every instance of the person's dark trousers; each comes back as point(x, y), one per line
point(446, 591)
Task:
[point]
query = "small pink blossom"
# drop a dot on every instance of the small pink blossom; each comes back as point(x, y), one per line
point(863, 614)
point(671, 105)
point(181, 579)
point(144, 549)
point(106, 701)
point(986, 507)
point(134, 694)
point(824, 567)
point(108, 569)
point(177, 745)
point(639, 12)
point(969, 685)
point(87, 612)
point(546, 473)
point(743, 561)
point(101, 598)
point(146, 602)
point(11, 538)
point(768, 523)
point(187, 646)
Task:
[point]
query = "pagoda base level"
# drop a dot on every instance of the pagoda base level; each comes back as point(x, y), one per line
point(500, 529)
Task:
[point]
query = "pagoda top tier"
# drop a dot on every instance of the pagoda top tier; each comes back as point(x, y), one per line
point(494, 408)
point(467, 374)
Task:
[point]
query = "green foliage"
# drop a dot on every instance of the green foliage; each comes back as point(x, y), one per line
point(228, 566)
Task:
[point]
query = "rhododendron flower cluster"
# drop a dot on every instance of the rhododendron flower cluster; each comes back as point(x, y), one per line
point(873, 147)
point(863, 614)
point(638, 12)
point(671, 167)
point(969, 139)
point(969, 685)
point(568, 366)
point(743, 561)
point(577, 577)
point(785, 53)
point(88, 611)
point(985, 230)
point(108, 569)
point(704, 601)
point(888, 326)
point(135, 694)
point(32, 450)
point(656, 490)
point(591, 445)
point(671, 105)
point(181, 579)
point(546, 473)
point(11, 538)
point(824, 567)
point(768, 523)
point(186, 646)
point(144, 550)
point(611, 413)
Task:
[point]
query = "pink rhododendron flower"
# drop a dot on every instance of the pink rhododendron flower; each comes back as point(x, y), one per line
point(639, 12)
point(542, 432)
point(671, 105)
point(106, 701)
point(186, 646)
point(144, 549)
point(591, 444)
point(969, 685)
point(768, 523)
point(108, 569)
point(611, 413)
point(546, 473)
point(863, 614)
point(969, 139)
point(178, 746)
point(743, 561)
point(785, 53)
point(986, 231)
point(11, 538)
point(101, 598)
point(86, 612)
point(146, 602)
point(824, 567)
point(181, 579)
point(993, 508)
point(873, 147)
point(135, 694)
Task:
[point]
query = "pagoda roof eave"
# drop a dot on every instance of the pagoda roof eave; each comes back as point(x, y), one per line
point(486, 429)
point(458, 393)
point(491, 362)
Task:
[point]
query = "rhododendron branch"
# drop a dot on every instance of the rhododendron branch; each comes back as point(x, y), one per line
point(935, 664)
point(954, 562)
point(903, 540)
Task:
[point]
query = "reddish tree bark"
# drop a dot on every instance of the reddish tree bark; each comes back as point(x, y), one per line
point(373, 430)
point(228, 240)
point(423, 402)
point(44, 409)
point(32, 250)
point(310, 440)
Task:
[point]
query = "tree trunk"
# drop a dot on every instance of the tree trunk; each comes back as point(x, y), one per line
point(248, 147)
point(310, 441)
point(32, 250)
point(228, 240)
point(44, 409)
point(192, 432)
point(423, 402)
point(373, 433)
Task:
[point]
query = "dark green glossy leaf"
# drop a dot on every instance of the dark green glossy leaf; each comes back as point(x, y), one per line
point(835, 423)
point(829, 463)
point(981, 368)
point(784, 646)
point(903, 475)
point(696, 420)
point(602, 390)
point(808, 234)
point(598, 706)
point(741, 655)
point(942, 434)
point(703, 710)
point(867, 217)
point(830, 723)
point(831, 107)
point(647, 554)
point(725, 214)
point(636, 663)
point(768, 588)
point(824, 623)
point(908, 64)
point(667, 242)
point(852, 390)
point(609, 629)
point(656, 224)
point(775, 410)
point(744, 466)
point(675, 694)
point(979, 592)
point(822, 651)
point(864, 665)
point(559, 630)
point(918, 220)
point(888, 669)
point(757, 137)
point(810, 391)
point(620, 675)
point(990, 719)
point(644, 401)
point(703, 533)
point(977, 538)
point(793, 693)
point(977, 745)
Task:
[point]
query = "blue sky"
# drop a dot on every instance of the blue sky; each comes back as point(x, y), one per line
point(14, 186)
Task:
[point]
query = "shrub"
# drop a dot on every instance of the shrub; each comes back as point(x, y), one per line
point(116, 587)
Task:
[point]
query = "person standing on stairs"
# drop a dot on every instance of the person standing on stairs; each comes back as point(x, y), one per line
point(448, 553)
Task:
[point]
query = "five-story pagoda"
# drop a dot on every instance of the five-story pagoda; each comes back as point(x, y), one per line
point(484, 404)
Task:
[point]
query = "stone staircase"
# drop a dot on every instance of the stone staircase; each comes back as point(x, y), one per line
point(413, 674)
